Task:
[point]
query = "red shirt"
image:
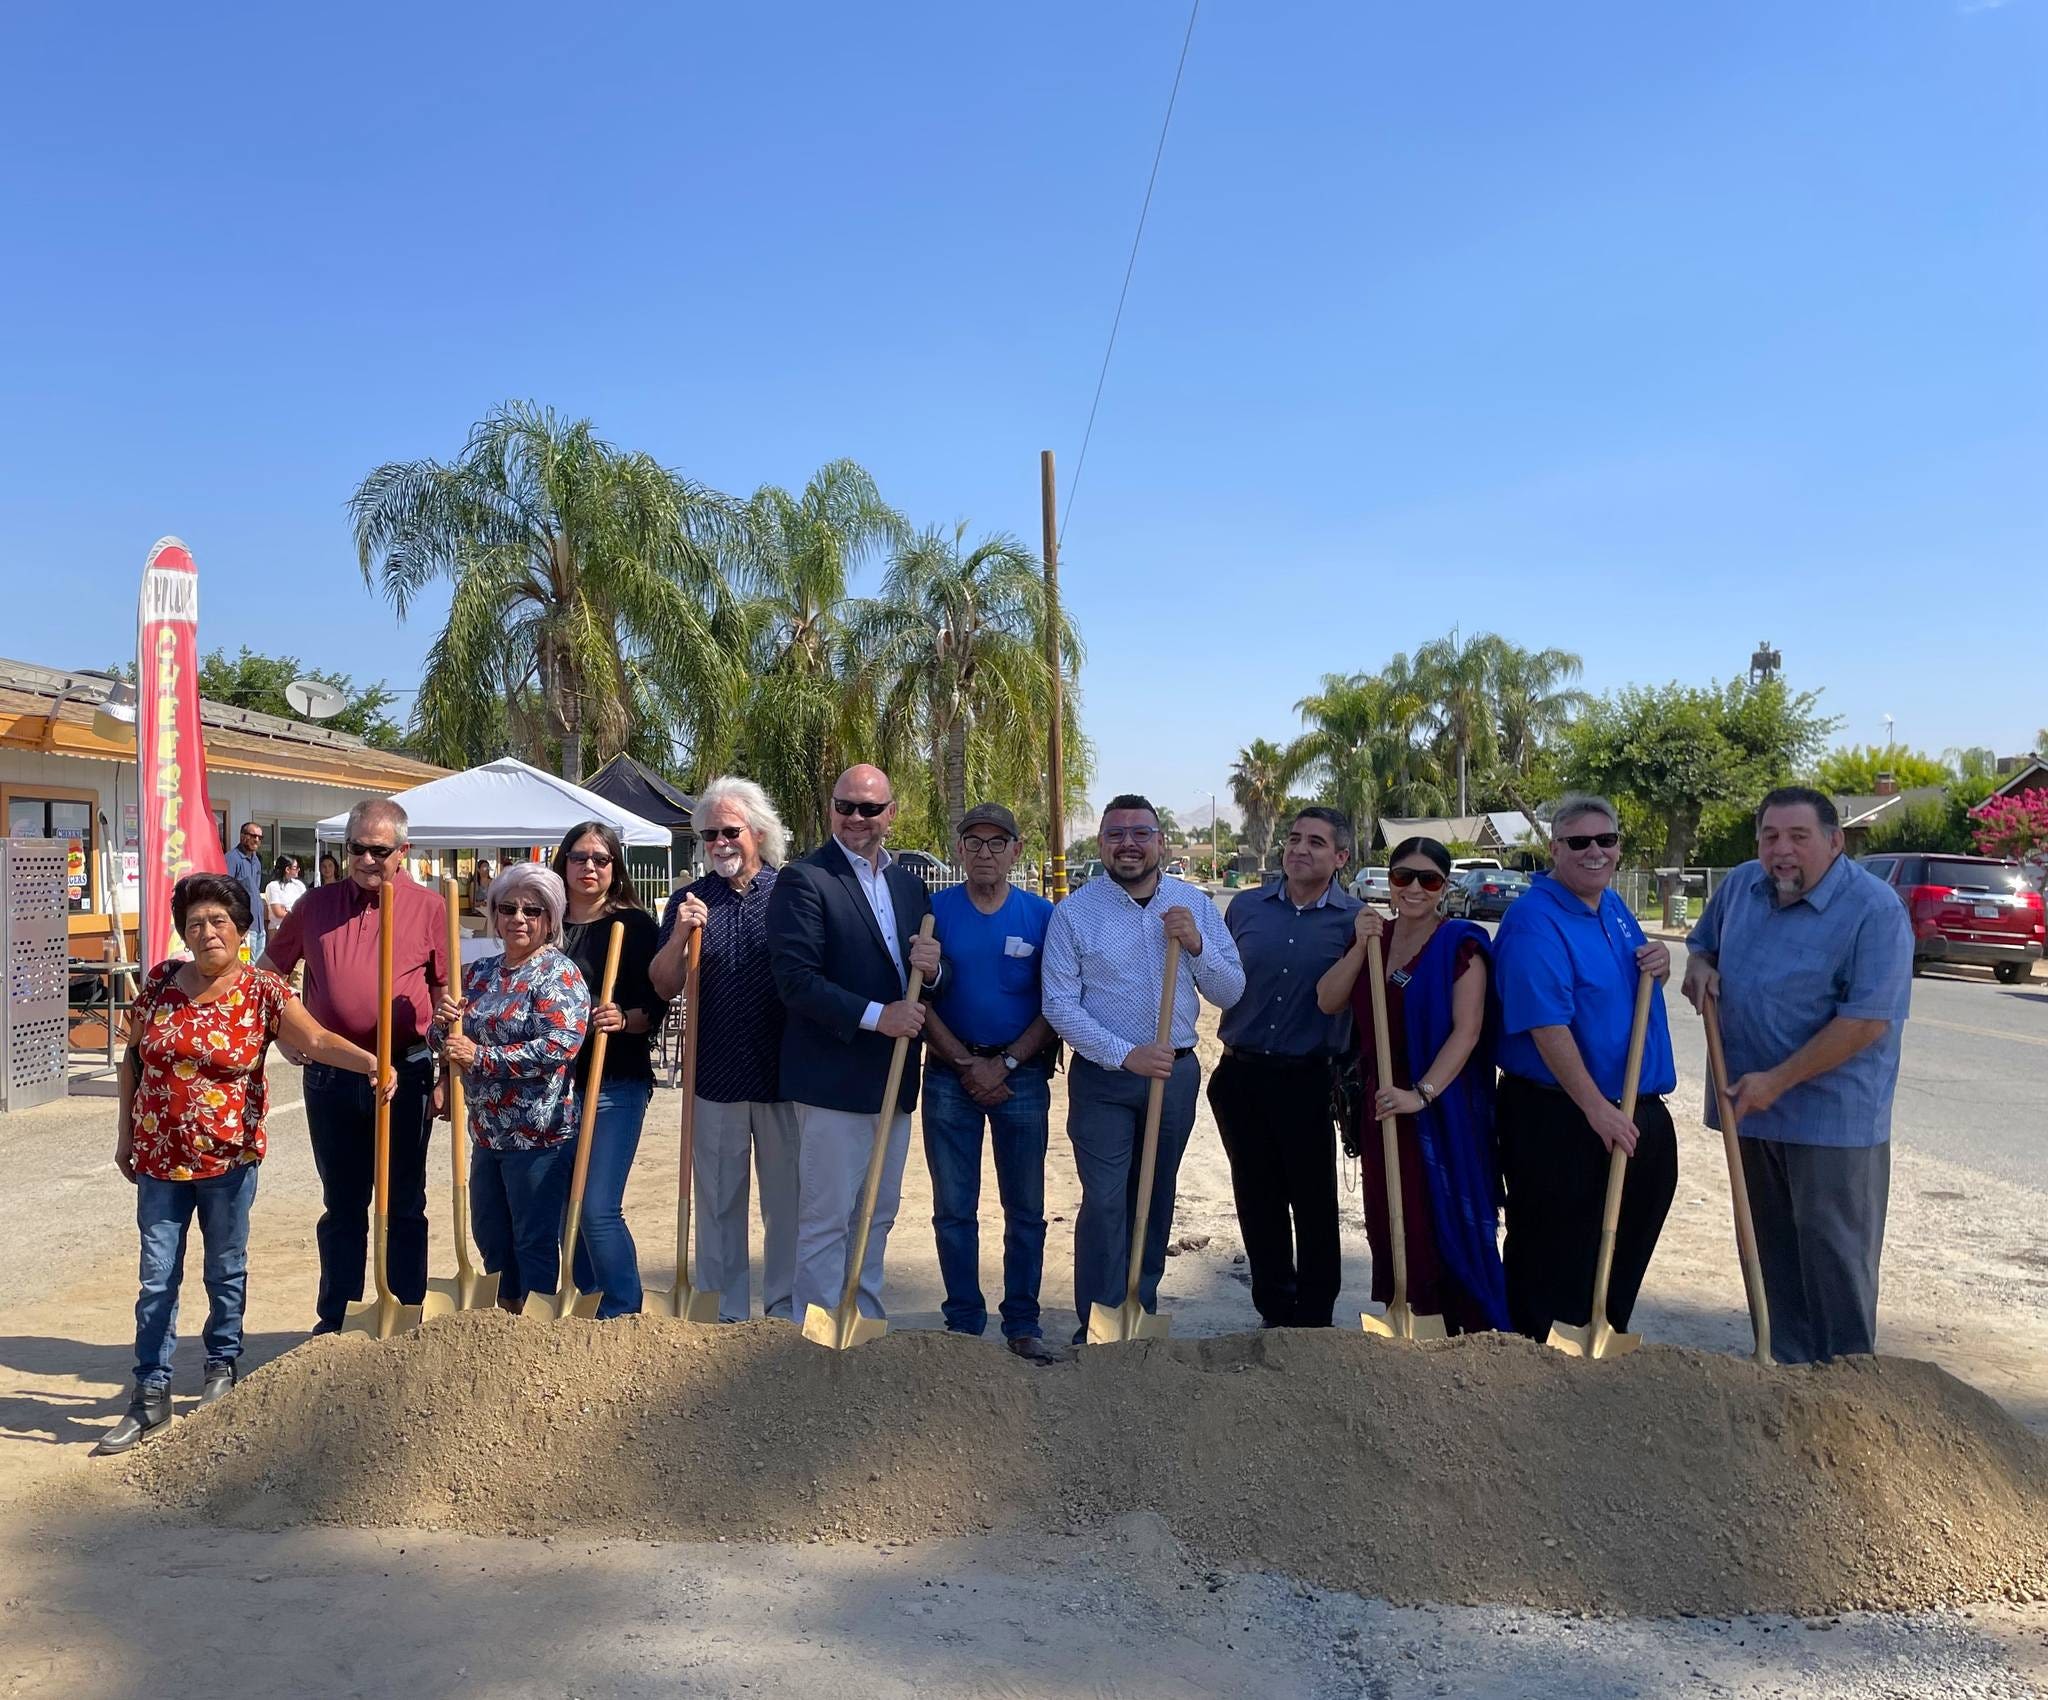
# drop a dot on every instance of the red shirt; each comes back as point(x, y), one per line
point(198, 1109)
point(333, 930)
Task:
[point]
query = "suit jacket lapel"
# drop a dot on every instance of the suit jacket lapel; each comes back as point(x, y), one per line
point(842, 865)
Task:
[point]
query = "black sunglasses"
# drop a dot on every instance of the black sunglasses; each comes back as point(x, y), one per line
point(1428, 878)
point(376, 852)
point(532, 911)
point(866, 811)
point(595, 858)
point(1580, 840)
point(712, 834)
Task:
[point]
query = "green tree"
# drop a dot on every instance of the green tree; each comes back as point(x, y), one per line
point(956, 646)
point(1456, 681)
point(808, 704)
point(1675, 750)
point(1361, 746)
point(1852, 771)
point(257, 682)
point(1258, 785)
point(588, 604)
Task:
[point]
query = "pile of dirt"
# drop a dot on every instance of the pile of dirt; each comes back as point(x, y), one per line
point(1483, 1469)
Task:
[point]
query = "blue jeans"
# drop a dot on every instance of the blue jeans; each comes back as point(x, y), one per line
point(1106, 1123)
point(342, 1119)
point(516, 1203)
point(952, 1151)
point(606, 1261)
point(163, 1212)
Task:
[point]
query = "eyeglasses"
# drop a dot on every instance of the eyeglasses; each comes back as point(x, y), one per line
point(1131, 835)
point(532, 911)
point(594, 858)
point(376, 852)
point(866, 811)
point(712, 834)
point(1428, 878)
point(982, 845)
point(1581, 840)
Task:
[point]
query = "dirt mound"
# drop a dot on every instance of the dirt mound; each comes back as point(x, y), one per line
point(1485, 1469)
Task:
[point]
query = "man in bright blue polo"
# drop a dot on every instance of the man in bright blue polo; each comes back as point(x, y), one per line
point(988, 1055)
point(1568, 960)
point(1810, 960)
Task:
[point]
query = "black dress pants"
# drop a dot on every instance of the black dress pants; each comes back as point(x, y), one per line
point(1274, 1116)
point(1554, 1169)
point(341, 1115)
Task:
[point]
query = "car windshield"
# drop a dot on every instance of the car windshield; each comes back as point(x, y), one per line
point(1969, 876)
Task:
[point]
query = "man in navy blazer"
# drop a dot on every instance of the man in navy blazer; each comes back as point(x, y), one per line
point(842, 925)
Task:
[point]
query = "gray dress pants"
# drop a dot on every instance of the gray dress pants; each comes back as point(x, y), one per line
point(1819, 1212)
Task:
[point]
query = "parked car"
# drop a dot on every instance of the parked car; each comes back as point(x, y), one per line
point(1483, 894)
point(1460, 863)
point(1178, 869)
point(1093, 870)
point(1977, 909)
point(922, 863)
point(1372, 886)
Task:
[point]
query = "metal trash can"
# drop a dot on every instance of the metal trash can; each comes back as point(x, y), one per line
point(35, 947)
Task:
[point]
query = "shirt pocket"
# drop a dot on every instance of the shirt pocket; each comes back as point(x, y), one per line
point(1017, 976)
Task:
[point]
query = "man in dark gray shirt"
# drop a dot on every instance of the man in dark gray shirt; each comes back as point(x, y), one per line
point(1271, 1092)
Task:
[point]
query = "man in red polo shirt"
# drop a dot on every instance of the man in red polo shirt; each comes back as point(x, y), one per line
point(333, 931)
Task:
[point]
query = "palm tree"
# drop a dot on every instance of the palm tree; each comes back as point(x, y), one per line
point(588, 603)
point(956, 647)
point(1356, 743)
point(1258, 785)
point(1456, 681)
point(1534, 702)
point(808, 698)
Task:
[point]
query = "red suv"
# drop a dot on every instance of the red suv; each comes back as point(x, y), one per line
point(1967, 909)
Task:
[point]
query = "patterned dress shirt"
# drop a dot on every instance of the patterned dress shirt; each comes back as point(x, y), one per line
point(1105, 959)
point(739, 1048)
point(527, 1023)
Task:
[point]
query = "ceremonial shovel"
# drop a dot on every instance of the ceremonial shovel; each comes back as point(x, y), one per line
point(471, 1288)
point(684, 1300)
point(381, 1315)
point(1110, 1324)
point(567, 1300)
point(1738, 1188)
point(1598, 1338)
point(846, 1327)
point(1400, 1322)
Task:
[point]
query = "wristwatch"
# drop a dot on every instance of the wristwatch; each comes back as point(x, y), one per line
point(1425, 1091)
point(1010, 1063)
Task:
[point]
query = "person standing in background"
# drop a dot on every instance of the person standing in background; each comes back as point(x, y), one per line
point(245, 868)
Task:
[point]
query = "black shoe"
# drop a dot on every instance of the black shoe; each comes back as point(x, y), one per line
point(149, 1411)
point(1034, 1350)
point(219, 1378)
point(320, 1328)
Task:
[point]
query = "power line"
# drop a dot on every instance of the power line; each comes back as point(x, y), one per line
point(1081, 460)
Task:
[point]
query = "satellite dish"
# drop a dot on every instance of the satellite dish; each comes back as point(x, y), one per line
point(315, 698)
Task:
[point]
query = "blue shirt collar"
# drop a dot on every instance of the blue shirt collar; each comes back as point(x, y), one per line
point(1278, 893)
point(1818, 896)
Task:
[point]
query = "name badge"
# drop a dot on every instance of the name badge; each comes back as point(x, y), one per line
point(1014, 946)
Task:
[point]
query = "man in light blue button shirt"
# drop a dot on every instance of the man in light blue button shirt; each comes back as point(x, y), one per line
point(1810, 959)
point(1105, 953)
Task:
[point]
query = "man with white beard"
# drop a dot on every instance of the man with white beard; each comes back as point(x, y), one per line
point(739, 1102)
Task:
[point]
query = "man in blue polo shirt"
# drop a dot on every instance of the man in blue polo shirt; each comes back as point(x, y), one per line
point(988, 1056)
point(1810, 959)
point(1568, 959)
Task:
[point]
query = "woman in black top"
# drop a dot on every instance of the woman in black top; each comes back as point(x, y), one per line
point(592, 864)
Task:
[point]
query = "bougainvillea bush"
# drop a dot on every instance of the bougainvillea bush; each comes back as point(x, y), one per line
point(2014, 826)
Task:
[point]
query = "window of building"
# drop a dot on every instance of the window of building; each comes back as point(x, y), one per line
point(56, 815)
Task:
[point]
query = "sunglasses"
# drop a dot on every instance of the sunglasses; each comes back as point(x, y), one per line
point(1428, 878)
point(712, 834)
point(1583, 840)
point(376, 852)
point(592, 858)
point(866, 811)
point(532, 911)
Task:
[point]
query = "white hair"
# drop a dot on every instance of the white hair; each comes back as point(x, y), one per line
point(529, 879)
point(1581, 803)
point(380, 809)
point(755, 809)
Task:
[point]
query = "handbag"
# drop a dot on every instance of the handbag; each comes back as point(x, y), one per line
point(1347, 1100)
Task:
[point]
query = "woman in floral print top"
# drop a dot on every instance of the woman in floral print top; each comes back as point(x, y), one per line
point(524, 1014)
point(190, 1132)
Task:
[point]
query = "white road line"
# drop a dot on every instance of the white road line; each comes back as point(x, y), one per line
point(1981, 1032)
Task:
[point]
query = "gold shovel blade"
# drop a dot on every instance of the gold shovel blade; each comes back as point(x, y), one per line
point(1401, 1323)
point(540, 1307)
point(692, 1304)
point(1595, 1340)
point(448, 1294)
point(585, 1304)
point(842, 1333)
point(1113, 1325)
point(380, 1316)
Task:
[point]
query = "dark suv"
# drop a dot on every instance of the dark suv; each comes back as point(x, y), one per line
point(1967, 909)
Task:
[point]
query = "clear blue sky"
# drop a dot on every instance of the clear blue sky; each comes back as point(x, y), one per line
point(1645, 330)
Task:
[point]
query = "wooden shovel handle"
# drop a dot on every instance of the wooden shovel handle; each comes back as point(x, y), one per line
point(1390, 1130)
point(1155, 1104)
point(1738, 1187)
point(693, 965)
point(593, 1080)
point(1617, 1162)
point(381, 1116)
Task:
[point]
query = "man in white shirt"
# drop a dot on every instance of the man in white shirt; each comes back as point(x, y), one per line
point(842, 926)
point(1105, 962)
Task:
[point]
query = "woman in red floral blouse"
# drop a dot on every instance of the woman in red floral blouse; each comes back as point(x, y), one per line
point(191, 1131)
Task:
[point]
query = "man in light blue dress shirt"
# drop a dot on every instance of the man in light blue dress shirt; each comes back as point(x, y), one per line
point(1105, 955)
point(1810, 959)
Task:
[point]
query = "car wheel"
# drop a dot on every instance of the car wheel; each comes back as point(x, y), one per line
point(2013, 973)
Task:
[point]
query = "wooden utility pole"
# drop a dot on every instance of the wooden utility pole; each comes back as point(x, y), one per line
point(1056, 769)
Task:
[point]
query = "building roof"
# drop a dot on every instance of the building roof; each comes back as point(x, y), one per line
point(238, 740)
point(1869, 810)
point(1500, 829)
point(2030, 775)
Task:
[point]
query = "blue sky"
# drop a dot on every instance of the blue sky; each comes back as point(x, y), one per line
point(1644, 330)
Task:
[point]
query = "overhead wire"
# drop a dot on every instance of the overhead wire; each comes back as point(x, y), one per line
point(1159, 153)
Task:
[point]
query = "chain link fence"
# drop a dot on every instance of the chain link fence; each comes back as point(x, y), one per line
point(1650, 891)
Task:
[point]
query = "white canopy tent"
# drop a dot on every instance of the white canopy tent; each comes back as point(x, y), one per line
point(504, 802)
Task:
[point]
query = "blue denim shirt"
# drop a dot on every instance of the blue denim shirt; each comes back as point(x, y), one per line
point(1561, 964)
point(1285, 951)
point(1845, 948)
